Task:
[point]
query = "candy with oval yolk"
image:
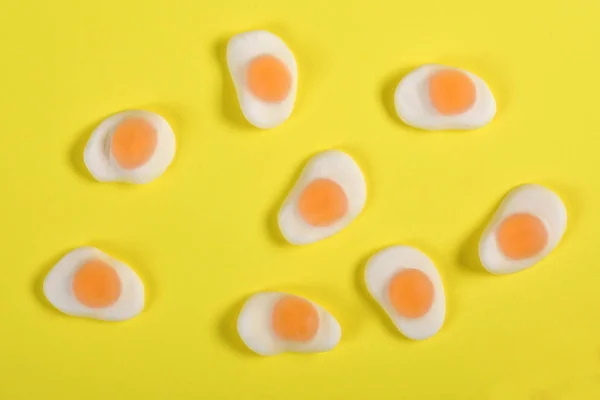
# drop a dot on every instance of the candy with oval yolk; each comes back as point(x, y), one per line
point(322, 203)
point(268, 79)
point(96, 284)
point(522, 236)
point(295, 319)
point(133, 143)
point(451, 92)
point(411, 293)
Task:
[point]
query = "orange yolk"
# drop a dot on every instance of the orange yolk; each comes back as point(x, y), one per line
point(133, 143)
point(322, 203)
point(96, 285)
point(268, 79)
point(451, 92)
point(411, 293)
point(295, 319)
point(521, 236)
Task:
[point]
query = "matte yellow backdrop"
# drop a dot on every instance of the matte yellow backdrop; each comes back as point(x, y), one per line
point(204, 237)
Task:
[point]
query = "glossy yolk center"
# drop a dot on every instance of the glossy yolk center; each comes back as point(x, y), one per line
point(96, 285)
point(268, 79)
point(451, 92)
point(411, 293)
point(133, 143)
point(521, 236)
point(322, 203)
point(295, 319)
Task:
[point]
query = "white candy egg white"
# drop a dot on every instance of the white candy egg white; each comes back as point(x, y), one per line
point(58, 287)
point(414, 106)
point(255, 328)
point(334, 165)
point(104, 168)
point(242, 49)
point(531, 199)
point(379, 272)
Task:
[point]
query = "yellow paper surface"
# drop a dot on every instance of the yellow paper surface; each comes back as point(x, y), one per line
point(204, 236)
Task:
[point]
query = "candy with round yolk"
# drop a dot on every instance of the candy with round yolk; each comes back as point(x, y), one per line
point(526, 227)
point(274, 322)
point(437, 97)
point(265, 76)
point(132, 146)
point(408, 286)
point(330, 193)
point(89, 283)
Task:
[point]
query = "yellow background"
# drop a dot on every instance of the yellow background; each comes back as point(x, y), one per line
point(204, 236)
